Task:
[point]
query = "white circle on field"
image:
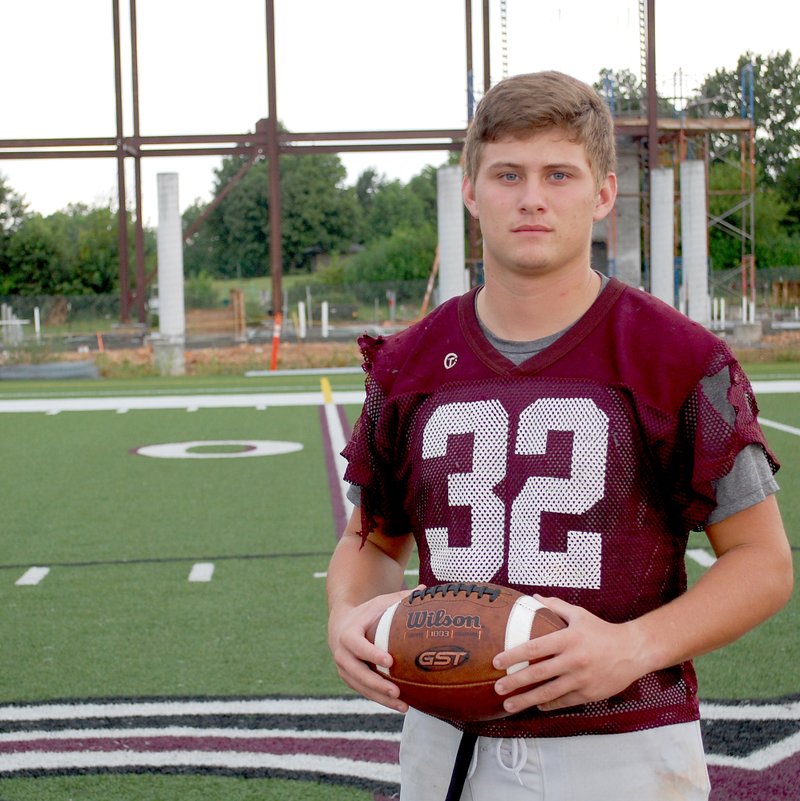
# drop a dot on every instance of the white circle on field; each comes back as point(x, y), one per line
point(246, 447)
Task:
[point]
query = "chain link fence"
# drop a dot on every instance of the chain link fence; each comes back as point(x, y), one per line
point(38, 326)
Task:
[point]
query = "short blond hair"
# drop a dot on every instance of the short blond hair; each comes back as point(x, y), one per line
point(524, 105)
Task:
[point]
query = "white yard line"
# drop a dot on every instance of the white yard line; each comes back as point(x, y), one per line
point(32, 576)
point(258, 401)
point(779, 426)
point(201, 571)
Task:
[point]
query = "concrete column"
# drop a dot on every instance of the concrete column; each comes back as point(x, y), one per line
point(628, 261)
point(453, 274)
point(662, 235)
point(168, 345)
point(694, 241)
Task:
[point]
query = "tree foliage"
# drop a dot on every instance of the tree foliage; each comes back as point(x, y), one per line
point(319, 215)
point(71, 252)
point(776, 243)
point(626, 95)
point(775, 106)
point(406, 254)
point(12, 213)
point(390, 225)
point(788, 188)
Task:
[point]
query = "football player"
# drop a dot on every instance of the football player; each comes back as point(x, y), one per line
point(561, 433)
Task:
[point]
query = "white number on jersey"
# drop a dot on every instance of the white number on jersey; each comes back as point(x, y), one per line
point(487, 420)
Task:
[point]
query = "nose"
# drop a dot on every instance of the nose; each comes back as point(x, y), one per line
point(531, 197)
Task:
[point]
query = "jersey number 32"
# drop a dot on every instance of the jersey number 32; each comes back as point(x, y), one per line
point(528, 564)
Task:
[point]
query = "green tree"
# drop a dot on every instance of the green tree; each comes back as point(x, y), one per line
point(776, 106)
point(776, 245)
point(788, 187)
point(34, 259)
point(12, 213)
point(388, 205)
point(404, 255)
point(71, 252)
point(200, 253)
point(394, 206)
point(626, 95)
point(319, 215)
point(367, 185)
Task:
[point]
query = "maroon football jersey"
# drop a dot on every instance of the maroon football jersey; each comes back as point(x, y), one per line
point(577, 474)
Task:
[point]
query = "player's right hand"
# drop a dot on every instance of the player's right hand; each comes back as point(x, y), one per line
point(353, 653)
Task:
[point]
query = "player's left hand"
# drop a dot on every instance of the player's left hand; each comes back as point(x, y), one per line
point(589, 660)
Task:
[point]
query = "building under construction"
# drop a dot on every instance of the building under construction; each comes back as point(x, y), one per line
point(657, 237)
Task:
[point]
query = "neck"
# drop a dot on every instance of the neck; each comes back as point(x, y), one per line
point(536, 307)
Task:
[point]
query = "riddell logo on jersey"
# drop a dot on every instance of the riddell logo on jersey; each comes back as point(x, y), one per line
point(442, 658)
point(439, 619)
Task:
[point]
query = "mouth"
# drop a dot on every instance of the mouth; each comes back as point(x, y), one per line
point(535, 229)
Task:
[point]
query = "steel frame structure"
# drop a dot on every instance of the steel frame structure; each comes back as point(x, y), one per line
point(266, 141)
point(662, 139)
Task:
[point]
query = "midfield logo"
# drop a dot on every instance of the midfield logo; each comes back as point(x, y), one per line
point(753, 749)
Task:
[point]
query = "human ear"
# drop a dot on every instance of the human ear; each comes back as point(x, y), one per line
point(606, 196)
point(468, 193)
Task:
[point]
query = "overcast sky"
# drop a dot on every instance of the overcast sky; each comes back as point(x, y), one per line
point(342, 65)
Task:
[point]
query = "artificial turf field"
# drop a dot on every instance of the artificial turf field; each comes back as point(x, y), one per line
point(171, 644)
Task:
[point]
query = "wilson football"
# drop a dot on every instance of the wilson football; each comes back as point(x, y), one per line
point(443, 640)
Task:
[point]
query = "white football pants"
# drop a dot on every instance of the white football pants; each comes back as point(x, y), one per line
point(655, 764)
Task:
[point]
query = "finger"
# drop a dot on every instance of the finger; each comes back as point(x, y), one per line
point(565, 701)
point(384, 692)
point(370, 684)
point(531, 676)
point(540, 696)
point(529, 651)
point(559, 606)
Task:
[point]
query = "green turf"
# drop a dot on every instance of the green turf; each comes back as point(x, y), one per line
point(82, 498)
point(136, 630)
point(759, 665)
point(773, 370)
point(282, 382)
point(172, 788)
point(103, 502)
point(116, 616)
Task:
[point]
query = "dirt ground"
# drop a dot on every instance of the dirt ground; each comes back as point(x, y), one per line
point(235, 359)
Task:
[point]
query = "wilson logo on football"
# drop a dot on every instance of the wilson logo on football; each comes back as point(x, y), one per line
point(443, 658)
point(438, 618)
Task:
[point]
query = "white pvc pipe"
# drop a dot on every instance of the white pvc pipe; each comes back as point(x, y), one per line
point(694, 240)
point(453, 275)
point(324, 319)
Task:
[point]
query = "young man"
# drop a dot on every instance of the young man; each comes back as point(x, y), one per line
point(560, 433)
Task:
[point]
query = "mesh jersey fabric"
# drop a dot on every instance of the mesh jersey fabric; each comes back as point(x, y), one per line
point(578, 473)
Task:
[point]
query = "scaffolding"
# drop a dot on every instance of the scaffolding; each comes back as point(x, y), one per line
point(667, 141)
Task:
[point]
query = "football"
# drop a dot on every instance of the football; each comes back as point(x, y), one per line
point(443, 639)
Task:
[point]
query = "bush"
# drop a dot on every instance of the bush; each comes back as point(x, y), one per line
point(199, 292)
point(404, 255)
